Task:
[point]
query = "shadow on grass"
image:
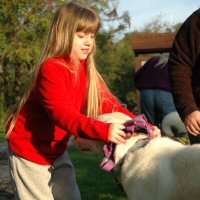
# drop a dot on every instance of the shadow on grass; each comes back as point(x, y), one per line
point(93, 182)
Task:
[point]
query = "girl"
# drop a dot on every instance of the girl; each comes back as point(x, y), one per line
point(65, 96)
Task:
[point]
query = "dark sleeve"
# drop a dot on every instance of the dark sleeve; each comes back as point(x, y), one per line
point(138, 74)
point(142, 72)
point(137, 77)
point(182, 60)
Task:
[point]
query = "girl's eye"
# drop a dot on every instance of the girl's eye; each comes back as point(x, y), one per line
point(80, 35)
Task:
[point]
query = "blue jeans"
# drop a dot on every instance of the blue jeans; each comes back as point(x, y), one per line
point(155, 104)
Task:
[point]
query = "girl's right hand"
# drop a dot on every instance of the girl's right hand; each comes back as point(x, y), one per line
point(116, 133)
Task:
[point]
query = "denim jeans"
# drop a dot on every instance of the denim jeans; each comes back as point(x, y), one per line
point(155, 104)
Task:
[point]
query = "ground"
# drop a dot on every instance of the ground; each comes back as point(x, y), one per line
point(5, 186)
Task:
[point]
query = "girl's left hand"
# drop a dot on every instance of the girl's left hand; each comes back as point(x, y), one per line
point(156, 132)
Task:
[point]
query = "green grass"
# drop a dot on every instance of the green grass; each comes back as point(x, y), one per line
point(93, 182)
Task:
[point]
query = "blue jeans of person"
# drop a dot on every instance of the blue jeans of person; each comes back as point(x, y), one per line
point(155, 104)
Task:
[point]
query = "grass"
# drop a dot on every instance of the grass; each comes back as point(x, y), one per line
point(93, 182)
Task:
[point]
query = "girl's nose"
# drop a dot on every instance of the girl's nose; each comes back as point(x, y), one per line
point(88, 41)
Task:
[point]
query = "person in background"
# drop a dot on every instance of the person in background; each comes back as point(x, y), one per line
point(65, 96)
point(184, 70)
point(156, 101)
point(152, 81)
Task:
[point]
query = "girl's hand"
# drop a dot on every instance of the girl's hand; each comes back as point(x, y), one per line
point(116, 133)
point(156, 132)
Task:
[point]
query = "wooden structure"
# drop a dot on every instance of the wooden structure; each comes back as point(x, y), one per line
point(145, 45)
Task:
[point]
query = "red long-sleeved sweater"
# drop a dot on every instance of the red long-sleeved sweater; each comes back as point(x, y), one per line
point(54, 111)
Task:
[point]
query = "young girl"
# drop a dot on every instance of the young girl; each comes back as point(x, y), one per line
point(65, 96)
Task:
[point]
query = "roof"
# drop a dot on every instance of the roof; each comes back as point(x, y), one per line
point(152, 42)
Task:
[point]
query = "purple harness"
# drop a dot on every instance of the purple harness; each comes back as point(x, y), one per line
point(137, 124)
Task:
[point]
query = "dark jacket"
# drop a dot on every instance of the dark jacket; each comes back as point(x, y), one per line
point(151, 77)
point(184, 66)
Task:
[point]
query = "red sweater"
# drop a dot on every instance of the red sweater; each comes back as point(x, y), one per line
point(55, 111)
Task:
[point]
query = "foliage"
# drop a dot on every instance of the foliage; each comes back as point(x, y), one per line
point(2, 135)
point(157, 24)
point(23, 25)
point(115, 63)
point(23, 28)
point(176, 27)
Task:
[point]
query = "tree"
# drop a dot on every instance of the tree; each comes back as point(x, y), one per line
point(108, 11)
point(157, 24)
point(115, 63)
point(23, 28)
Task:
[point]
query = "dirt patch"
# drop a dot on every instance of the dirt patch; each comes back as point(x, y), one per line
point(5, 186)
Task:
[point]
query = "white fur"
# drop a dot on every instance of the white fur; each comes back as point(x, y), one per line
point(162, 170)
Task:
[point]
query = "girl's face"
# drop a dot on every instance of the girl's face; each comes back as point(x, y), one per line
point(82, 45)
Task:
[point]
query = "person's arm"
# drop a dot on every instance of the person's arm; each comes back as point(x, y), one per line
point(182, 60)
point(52, 89)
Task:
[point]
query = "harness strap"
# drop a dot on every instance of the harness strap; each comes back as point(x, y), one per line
point(139, 123)
point(108, 161)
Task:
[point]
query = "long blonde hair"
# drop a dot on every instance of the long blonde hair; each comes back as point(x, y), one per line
point(69, 19)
